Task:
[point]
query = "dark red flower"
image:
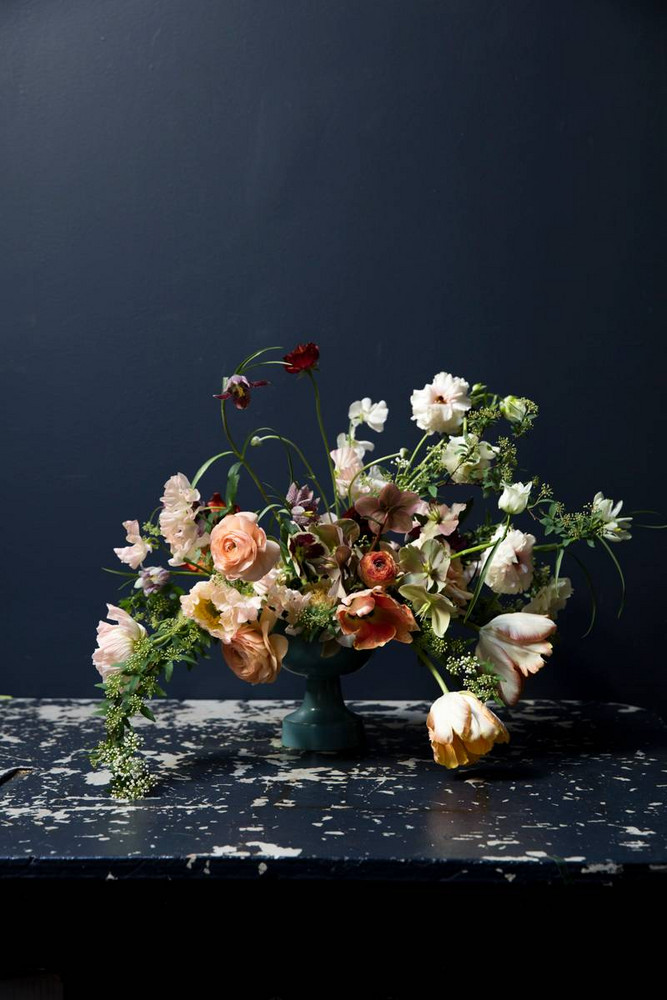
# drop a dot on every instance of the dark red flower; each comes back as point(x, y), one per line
point(216, 502)
point(237, 388)
point(303, 357)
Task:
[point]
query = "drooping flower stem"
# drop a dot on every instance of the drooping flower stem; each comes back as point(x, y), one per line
point(243, 460)
point(421, 655)
point(318, 410)
point(309, 470)
point(417, 447)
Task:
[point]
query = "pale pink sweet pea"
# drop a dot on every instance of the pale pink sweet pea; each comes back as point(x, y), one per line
point(134, 553)
point(515, 643)
point(115, 642)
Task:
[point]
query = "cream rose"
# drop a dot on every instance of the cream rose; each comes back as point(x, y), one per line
point(253, 654)
point(240, 548)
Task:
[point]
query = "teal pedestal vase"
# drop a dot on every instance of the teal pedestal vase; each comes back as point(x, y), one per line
point(322, 721)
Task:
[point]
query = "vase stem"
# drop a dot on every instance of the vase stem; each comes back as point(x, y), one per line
point(322, 721)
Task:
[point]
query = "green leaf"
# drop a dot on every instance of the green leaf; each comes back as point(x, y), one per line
point(233, 483)
point(145, 710)
point(256, 354)
point(589, 581)
point(620, 574)
point(207, 465)
point(559, 560)
point(482, 575)
point(168, 671)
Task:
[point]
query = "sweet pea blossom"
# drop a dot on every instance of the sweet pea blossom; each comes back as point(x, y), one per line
point(348, 462)
point(135, 553)
point(177, 520)
point(152, 579)
point(462, 729)
point(514, 498)
point(510, 569)
point(615, 529)
point(115, 642)
point(465, 458)
point(515, 643)
point(441, 405)
point(441, 520)
point(363, 411)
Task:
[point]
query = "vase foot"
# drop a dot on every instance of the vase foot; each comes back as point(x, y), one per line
point(304, 730)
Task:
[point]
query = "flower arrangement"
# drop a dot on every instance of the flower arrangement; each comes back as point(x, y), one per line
point(388, 552)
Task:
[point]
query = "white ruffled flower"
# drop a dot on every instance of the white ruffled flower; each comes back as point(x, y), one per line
point(115, 643)
point(466, 458)
point(177, 519)
point(615, 528)
point(551, 598)
point(348, 461)
point(135, 553)
point(220, 609)
point(441, 405)
point(365, 412)
point(514, 499)
point(510, 570)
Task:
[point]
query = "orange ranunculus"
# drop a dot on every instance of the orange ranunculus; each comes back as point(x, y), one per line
point(253, 654)
point(374, 618)
point(240, 548)
point(378, 568)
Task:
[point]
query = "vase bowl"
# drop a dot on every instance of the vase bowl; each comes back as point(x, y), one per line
point(322, 721)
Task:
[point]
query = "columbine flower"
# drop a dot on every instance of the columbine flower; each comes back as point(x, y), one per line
point(462, 729)
point(392, 510)
point(441, 520)
point(441, 405)
point(614, 528)
point(240, 548)
point(302, 504)
point(253, 654)
point(115, 642)
point(425, 564)
point(177, 520)
point(375, 618)
point(303, 357)
point(219, 609)
point(551, 599)
point(514, 498)
point(237, 388)
point(510, 570)
point(516, 645)
point(435, 607)
point(152, 579)
point(137, 550)
point(366, 412)
point(513, 408)
point(466, 458)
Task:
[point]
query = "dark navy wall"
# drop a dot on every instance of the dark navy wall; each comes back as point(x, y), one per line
point(418, 186)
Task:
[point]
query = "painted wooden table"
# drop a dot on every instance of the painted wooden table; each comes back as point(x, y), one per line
point(577, 796)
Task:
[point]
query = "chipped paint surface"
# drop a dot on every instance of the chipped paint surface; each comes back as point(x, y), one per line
point(574, 791)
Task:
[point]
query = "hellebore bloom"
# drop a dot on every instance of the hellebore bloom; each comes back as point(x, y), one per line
point(462, 729)
point(516, 645)
point(303, 357)
point(374, 618)
point(436, 607)
point(237, 388)
point(392, 510)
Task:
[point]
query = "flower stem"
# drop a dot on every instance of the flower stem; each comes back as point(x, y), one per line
point(427, 663)
point(318, 410)
point(241, 457)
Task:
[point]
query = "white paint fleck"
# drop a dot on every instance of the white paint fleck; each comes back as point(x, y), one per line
point(98, 777)
point(262, 867)
point(608, 866)
point(274, 851)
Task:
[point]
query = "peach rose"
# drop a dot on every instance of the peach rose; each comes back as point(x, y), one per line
point(240, 548)
point(253, 654)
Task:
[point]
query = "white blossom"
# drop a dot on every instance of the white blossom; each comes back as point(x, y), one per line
point(466, 458)
point(363, 411)
point(441, 405)
point(514, 499)
point(615, 528)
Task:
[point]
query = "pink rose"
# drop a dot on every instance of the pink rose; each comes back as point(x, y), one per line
point(240, 548)
point(253, 654)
